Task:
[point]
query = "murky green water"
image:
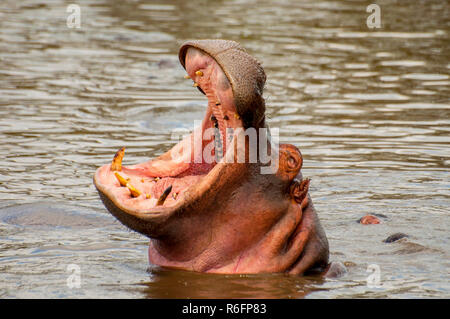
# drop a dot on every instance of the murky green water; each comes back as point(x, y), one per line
point(368, 108)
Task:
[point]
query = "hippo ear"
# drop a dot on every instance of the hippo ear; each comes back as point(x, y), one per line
point(290, 162)
point(299, 191)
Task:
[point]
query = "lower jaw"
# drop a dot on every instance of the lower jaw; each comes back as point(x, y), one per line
point(150, 190)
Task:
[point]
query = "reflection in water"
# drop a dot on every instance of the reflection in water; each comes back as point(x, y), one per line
point(368, 108)
point(182, 284)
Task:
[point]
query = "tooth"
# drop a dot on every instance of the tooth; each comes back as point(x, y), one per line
point(195, 85)
point(187, 76)
point(174, 195)
point(122, 181)
point(164, 195)
point(116, 164)
point(133, 191)
point(156, 179)
point(199, 73)
point(236, 116)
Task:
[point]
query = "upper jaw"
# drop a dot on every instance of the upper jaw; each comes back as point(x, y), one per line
point(210, 72)
point(244, 73)
point(210, 78)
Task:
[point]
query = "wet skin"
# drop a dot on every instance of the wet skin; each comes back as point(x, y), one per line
point(221, 214)
point(369, 220)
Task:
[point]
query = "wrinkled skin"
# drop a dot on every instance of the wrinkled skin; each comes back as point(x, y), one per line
point(222, 215)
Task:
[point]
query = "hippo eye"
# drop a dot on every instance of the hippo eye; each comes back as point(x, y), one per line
point(292, 162)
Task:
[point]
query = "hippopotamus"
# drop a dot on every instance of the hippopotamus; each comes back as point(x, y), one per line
point(221, 213)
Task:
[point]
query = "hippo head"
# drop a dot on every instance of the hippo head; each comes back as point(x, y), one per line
point(207, 204)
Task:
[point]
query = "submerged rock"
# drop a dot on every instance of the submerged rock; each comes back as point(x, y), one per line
point(395, 237)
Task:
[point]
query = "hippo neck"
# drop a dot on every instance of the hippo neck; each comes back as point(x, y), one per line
point(192, 240)
point(222, 257)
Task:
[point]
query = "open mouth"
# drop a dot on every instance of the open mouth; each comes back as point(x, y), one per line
point(165, 181)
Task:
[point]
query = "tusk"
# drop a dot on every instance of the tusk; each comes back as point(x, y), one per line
point(116, 164)
point(122, 181)
point(164, 195)
point(133, 191)
point(187, 76)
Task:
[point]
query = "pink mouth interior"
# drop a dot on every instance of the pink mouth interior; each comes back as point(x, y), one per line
point(152, 178)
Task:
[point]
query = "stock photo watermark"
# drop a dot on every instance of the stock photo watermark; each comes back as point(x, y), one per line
point(374, 20)
point(74, 279)
point(74, 18)
point(228, 145)
point(374, 279)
